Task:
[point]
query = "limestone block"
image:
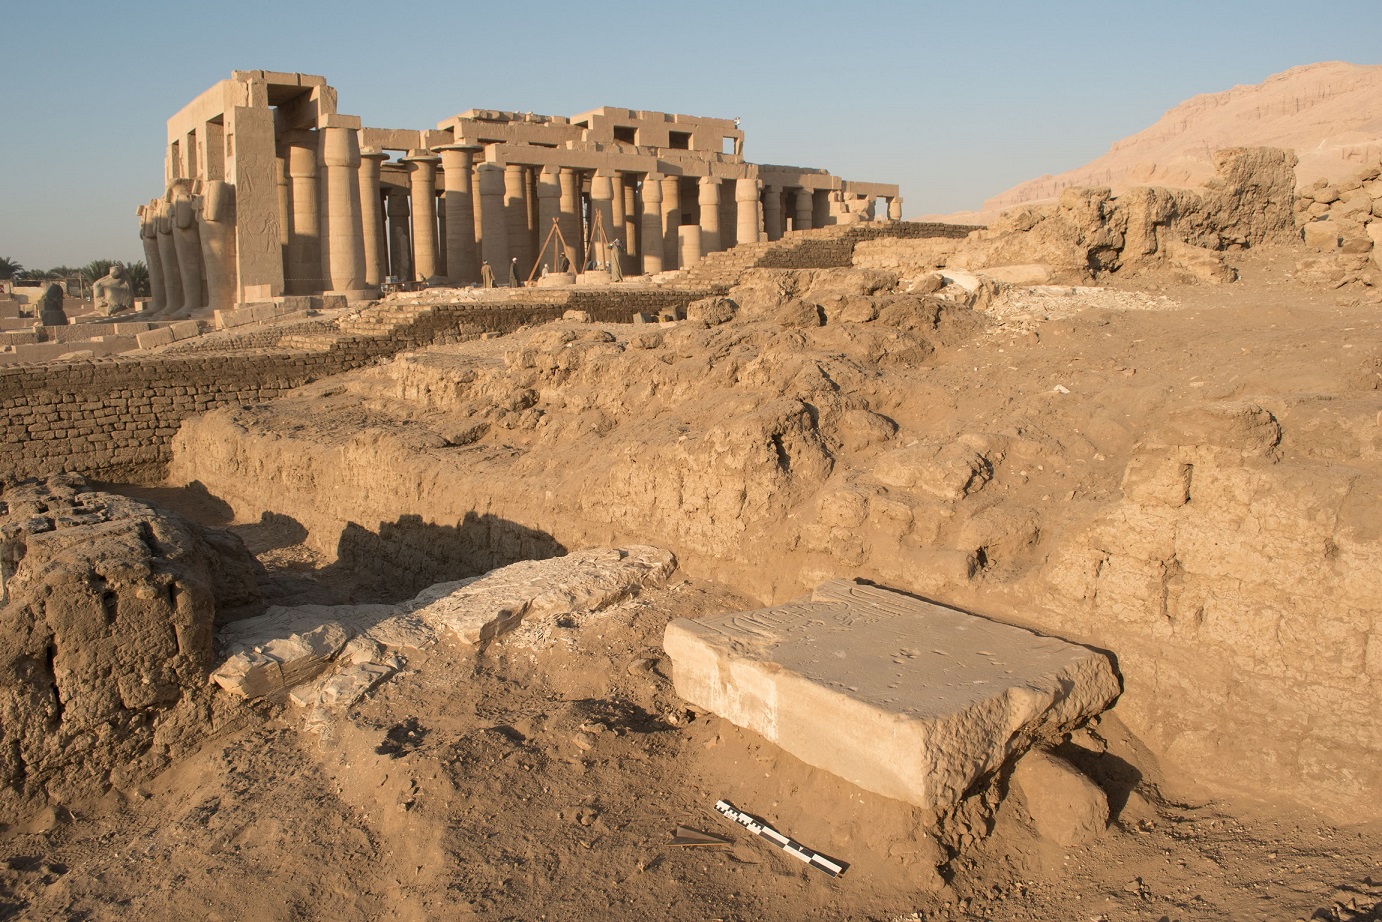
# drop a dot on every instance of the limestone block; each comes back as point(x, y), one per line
point(950, 472)
point(401, 632)
point(1357, 245)
point(1322, 235)
point(344, 688)
point(1027, 274)
point(711, 310)
point(1064, 805)
point(155, 338)
point(1358, 203)
point(1375, 232)
point(901, 697)
point(184, 329)
point(277, 650)
point(225, 320)
point(582, 581)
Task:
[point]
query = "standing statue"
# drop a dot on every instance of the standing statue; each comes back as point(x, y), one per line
point(111, 293)
point(187, 241)
point(50, 313)
point(148, 236)
point(168, 258)
point(215, 209)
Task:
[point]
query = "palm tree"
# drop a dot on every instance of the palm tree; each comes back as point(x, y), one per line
point(9, 268)
point(139, 278)
point(96, 269)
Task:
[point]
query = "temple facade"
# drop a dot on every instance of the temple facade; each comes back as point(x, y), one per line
point(270, 191)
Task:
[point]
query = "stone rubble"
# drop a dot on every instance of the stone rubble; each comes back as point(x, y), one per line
point(278, 652)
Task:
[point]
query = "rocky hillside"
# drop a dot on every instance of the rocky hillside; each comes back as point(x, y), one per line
point(1329, 113)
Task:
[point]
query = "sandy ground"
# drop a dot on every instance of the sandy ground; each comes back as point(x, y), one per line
point(543, 778)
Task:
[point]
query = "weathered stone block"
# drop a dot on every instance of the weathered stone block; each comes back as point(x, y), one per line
point(1321, 235)
point(901, 697)
point(154, 338)
point(1064, 805)
point(581, 581)
point(272, 653)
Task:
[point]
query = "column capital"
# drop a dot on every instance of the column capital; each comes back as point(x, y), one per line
point(652, 187)
point(340, 147)
point(420, 153)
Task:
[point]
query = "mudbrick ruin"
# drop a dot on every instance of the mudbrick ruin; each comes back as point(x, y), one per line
point(572, 517)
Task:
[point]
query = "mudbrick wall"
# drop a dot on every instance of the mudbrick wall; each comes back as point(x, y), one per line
point(114, 418)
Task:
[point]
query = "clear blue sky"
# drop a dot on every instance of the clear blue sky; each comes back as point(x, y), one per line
point(954, 101)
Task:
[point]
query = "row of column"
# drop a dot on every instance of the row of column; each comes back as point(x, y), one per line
point(504, 214)
point(337, 237)
point(321, 205)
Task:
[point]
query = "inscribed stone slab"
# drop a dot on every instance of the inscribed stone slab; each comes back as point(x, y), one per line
point(901, 697)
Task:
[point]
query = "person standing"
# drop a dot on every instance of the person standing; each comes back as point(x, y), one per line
point(486, 275)
point(616, 262)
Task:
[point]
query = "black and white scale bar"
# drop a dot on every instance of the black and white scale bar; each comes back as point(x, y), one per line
point(790, 846)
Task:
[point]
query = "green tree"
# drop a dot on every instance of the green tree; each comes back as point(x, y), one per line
point(10, 268)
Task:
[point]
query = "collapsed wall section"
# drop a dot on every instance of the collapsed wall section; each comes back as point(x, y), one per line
point(115, 418)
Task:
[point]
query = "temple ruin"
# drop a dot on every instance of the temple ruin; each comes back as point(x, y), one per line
point(270, 191)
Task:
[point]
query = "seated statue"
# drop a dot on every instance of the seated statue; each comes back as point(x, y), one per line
point(112, 293)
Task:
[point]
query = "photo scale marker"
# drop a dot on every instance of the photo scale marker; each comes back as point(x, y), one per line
point(788, 845)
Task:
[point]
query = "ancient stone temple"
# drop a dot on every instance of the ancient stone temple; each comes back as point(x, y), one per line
point(270, 191)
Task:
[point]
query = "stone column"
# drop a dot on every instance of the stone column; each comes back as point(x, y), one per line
point(516, 220)
point(148, 236)
point(479, 214)
point(304, 267)
point(601, 214)
point(895, 208)
point(571, 216)
point(530, 199)
point(746, 197)
point(400, 236)
point(494, 246)
point(689, 240)
point(285, 208)
point(457, 169)
point(671, 220)
point(422, 184)
point(710, 214)
point(189, 246)
point(630, 225)
point(772, 212)
point(652, 224)
point(548, 213)
point(801, 219)
point(439, 209)
point(344, 253)
point(372, 217)
point(218, 244)
point(616, 214)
